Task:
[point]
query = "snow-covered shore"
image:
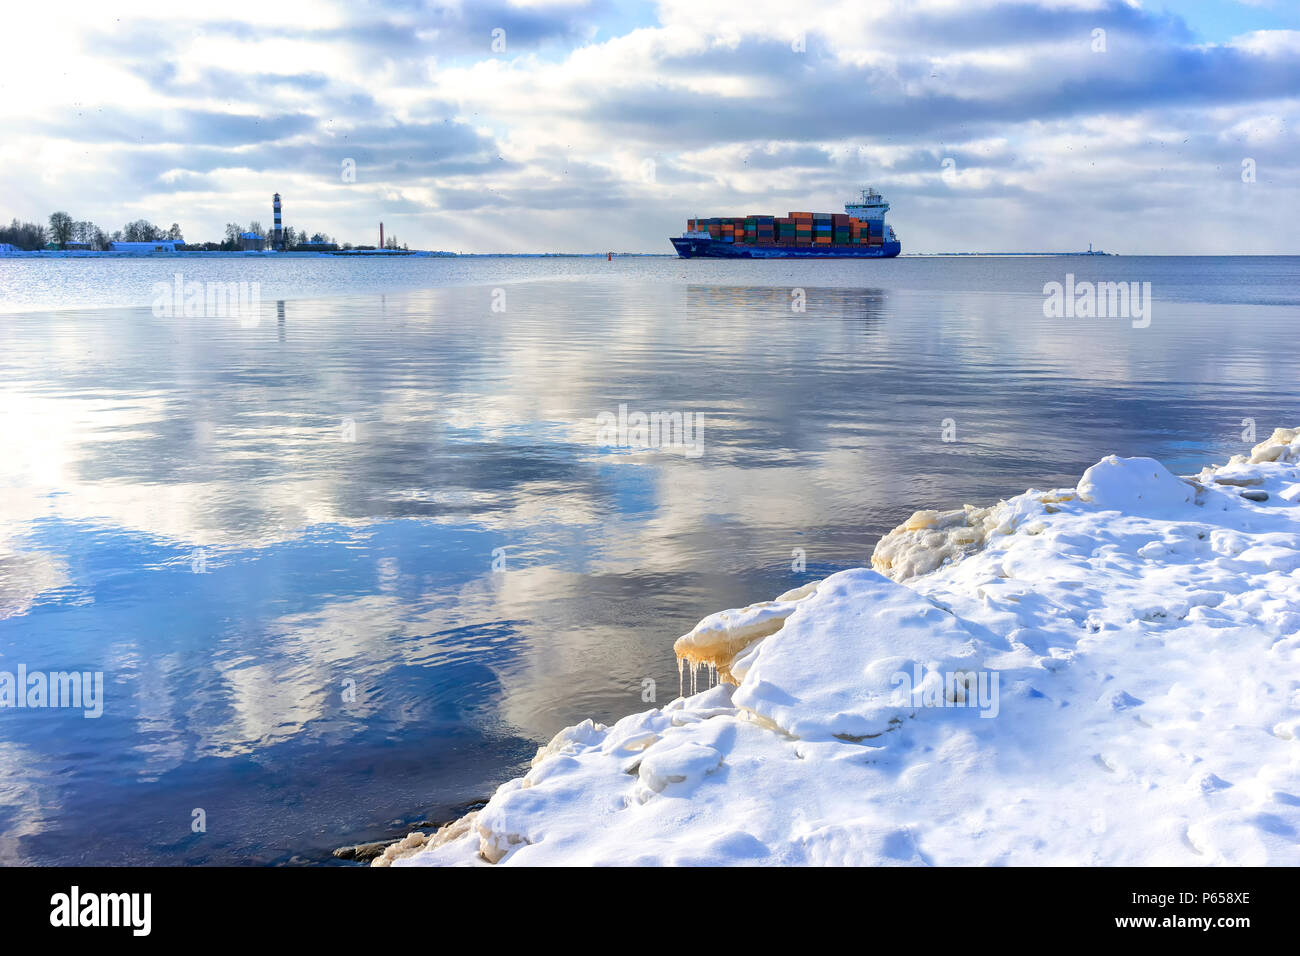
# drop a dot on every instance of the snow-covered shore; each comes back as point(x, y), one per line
point(1106, 674)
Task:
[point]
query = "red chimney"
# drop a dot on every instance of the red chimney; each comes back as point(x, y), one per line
point(381, 235)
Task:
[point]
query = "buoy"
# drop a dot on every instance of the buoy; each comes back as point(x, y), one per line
point(609, 257)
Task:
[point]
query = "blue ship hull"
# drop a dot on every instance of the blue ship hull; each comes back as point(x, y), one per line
point(689, 248)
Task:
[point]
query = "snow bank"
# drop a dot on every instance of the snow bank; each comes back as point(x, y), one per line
point(1135, 486)
point(930, 539)
point(1108, 674)
point(832, 673)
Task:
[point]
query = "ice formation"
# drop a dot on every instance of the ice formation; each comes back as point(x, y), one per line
point(1140, 638)
point(716, 640)
point(930, 539)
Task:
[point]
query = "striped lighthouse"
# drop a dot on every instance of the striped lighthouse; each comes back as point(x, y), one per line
point(278, 236)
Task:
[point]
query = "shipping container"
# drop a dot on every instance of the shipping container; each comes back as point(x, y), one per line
point(860, 226)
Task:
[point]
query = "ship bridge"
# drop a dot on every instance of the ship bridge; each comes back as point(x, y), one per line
point(870, 206)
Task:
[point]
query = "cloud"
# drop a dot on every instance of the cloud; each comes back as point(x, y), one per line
point(209, 127)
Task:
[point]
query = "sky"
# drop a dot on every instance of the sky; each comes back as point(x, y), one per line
point(595, 125)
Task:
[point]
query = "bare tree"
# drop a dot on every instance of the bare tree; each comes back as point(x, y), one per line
point(24, 235)
point(61, 227)
point(142, 230)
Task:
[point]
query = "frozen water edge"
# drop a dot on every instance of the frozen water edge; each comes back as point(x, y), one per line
point(1133, 652)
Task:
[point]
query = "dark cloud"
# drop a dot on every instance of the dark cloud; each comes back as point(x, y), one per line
point(1023, 23)
point(181, 125)
point(788, 157)
point(401, 30)
point(393, 153)
point(836, 101)
point(229, 84)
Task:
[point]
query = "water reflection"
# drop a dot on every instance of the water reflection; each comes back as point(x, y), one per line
point(357, 573)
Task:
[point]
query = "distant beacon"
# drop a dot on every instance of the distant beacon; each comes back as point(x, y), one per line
point(277, 241)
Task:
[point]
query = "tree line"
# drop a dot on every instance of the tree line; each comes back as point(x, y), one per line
point(292, 237)
point(64, 230)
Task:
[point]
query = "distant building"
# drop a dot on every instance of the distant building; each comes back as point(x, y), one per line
point(251, 242)
point(147, 248)
point(8, 247)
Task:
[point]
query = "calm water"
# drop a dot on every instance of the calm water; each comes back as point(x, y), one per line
point(345, 568)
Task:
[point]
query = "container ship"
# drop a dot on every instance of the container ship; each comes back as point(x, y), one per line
point(857, 233)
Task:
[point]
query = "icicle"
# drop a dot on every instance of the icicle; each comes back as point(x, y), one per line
point(681, 678)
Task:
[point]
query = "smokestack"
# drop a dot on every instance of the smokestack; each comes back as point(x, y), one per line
point(278, 242)
point(381, 235)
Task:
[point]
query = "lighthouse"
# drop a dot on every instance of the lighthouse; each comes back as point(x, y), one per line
point(277, 237)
